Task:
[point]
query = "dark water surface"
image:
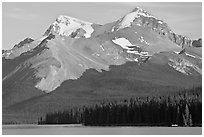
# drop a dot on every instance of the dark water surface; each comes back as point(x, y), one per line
point(85, 130)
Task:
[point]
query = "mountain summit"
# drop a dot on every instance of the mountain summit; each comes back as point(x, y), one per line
point(75, 60)
point(69, 26)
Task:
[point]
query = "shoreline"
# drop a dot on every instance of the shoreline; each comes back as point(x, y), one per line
point(91, 130)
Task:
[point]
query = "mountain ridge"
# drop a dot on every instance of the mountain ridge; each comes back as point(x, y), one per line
point(66, 27)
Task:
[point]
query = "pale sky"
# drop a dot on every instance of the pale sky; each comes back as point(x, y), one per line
point(22, 20)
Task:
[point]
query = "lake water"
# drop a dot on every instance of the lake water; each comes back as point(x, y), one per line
point(86, 130)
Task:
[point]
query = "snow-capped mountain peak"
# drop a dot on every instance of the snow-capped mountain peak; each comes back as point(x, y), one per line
point(70, 26)
point(69, 19)
point(130, 17)
point(140, 12)
point(140, 18)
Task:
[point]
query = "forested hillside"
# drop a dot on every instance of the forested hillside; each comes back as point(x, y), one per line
point(182, 108)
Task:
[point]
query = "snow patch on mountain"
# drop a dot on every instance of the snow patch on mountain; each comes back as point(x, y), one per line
point(124, 43)
point(131, 49)
point(176, 52)
point(190, 55)
point(160, 22)
point(187, 54)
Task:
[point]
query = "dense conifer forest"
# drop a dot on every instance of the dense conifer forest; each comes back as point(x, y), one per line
point(183, 108)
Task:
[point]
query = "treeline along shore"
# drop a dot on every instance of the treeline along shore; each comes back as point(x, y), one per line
point(182, 108)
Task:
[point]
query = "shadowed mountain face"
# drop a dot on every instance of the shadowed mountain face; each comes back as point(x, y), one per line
point(80, 63)
point(197, 43)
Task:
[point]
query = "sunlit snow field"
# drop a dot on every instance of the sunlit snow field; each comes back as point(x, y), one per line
point(84, 130)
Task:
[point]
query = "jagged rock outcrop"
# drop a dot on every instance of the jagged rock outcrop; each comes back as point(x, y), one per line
point(25, 41)
point(197, 43)
point(16, 47)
